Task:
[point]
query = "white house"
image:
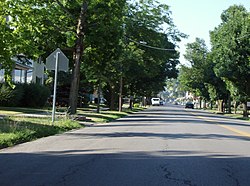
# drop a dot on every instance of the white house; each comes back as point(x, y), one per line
point(26, 73)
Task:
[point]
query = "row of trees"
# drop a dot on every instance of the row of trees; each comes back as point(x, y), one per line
point(100, 37)
point(223, 73)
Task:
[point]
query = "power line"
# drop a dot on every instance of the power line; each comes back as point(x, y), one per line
point(152, 47)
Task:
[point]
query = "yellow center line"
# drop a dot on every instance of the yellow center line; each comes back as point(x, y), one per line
point(242, 133)
point(239, 132)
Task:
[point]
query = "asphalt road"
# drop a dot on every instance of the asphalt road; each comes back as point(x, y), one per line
point(165, 145)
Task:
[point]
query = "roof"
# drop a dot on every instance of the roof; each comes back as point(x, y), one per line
point(20, 66)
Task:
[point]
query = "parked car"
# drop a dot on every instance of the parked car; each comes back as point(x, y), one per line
point(161, 102)
point(189, 105)
point(155, 101)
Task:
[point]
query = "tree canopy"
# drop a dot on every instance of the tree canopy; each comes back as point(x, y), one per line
point(231, 50)
point(224, 71)
point(101, 39)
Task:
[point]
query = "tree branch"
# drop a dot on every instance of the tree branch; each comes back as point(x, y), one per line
point(65, 9)
point(48, 22)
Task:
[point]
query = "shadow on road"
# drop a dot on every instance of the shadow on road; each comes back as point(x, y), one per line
point(160, 135)
point(100, 165)
point(188, 168)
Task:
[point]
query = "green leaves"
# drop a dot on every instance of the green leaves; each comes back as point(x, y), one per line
point(230, 48)
point(38, 27)
point(144, 24)
point(70, 38)
point(225, 70)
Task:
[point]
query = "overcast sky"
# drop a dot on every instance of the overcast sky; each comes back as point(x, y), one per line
point(197, 17)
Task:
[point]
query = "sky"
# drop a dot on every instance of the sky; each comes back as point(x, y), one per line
point(197, 17)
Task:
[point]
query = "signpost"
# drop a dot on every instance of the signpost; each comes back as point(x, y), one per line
point(59, 62)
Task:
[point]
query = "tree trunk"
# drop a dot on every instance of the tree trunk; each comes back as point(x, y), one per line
point(205, 104)
point(229, 105)
point(235, 107)
point(220, 106)
point(211, 105)
point(120, 95)
point(131, 101)
point(112, 100)
point(99, 98)
point(77, 60)
point(245, 113)
point(144, 102)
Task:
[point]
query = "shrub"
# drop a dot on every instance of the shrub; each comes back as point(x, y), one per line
point(26, 95)
point(34, 95)
point(18, 93)
point(6, 93)
point(10, 96)
point(136, 105)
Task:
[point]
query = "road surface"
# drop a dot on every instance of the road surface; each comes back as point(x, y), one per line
point(163, 145)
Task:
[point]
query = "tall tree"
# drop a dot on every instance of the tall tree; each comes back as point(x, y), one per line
point(149, 25)
point(217, 88)
point(103, 47)
point(78, 52)
point(6, 43)
point(230, 46)
point(194, 77)
point(45, 25)
point(95, 28)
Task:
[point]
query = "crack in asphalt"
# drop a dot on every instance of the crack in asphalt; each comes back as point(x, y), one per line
point(168, 175)
point(230, 174)
point(73, 170)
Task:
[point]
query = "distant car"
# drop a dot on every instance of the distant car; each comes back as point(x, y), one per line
point(189, 105)
point(155, 101)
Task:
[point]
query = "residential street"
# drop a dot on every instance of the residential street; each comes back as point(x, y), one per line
point(163, 145)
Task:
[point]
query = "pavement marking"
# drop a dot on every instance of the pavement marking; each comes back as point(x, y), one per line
point(242, 133)
point(239, 132)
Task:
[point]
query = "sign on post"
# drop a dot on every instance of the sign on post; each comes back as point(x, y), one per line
point(59, 62)
point(63, 63)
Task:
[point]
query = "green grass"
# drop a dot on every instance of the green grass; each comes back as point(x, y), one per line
point(237, 115)
point(105, 116)
point(18, 110)
point(16, 128)
point(102, 117)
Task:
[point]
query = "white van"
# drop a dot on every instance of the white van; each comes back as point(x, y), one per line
point(155, 101)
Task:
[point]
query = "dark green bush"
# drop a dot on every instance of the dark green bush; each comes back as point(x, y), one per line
point(10, 96)
point(34, 95)
point(24, 95)
point(18, 93)
point(6, 94)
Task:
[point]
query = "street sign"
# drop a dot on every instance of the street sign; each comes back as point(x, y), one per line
point(59, 62)
point(63, 61)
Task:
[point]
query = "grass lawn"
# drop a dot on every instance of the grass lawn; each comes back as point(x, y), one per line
point(237, 115)
point(17, 125)
point(15, 130)
point(10, 111)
